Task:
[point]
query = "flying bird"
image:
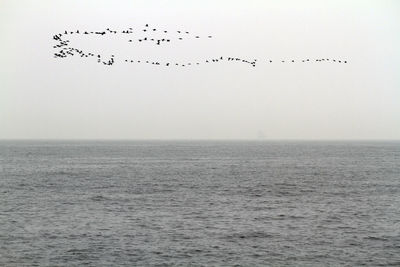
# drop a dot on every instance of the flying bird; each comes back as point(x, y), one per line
point(64, 48)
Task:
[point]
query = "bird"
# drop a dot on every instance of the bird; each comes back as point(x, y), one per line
point(65, 50)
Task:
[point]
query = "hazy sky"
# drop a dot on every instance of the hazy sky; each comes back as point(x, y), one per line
point(73, 98)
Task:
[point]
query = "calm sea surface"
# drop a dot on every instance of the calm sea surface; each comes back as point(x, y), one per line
point(199, 203)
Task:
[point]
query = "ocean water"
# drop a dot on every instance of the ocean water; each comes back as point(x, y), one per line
point(199, 203)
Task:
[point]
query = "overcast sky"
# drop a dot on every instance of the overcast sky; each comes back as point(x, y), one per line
point(77, 98)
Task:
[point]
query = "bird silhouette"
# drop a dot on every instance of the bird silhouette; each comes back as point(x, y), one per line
point(65, 50)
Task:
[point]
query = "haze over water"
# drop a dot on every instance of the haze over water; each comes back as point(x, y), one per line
point(199, 70)
point(42, 97)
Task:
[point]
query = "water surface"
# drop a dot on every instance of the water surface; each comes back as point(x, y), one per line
point(199, 203)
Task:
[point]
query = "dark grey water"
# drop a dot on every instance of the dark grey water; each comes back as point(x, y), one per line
point(199, 203)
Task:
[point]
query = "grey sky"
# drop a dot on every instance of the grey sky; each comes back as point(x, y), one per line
point(43, 97)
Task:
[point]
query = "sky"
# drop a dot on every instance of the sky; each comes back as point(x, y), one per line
point(42, 97)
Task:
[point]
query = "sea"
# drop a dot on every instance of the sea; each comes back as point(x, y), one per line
point(199, 203)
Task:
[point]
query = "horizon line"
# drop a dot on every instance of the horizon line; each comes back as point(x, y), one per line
point(207, 139)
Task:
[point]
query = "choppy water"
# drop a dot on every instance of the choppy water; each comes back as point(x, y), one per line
point(199, 203)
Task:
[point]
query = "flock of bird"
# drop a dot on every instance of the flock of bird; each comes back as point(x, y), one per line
point(64, 49)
